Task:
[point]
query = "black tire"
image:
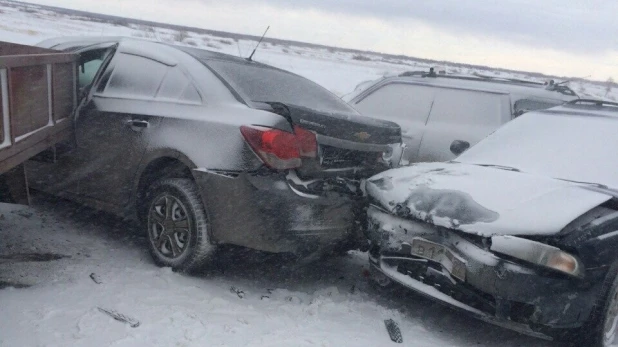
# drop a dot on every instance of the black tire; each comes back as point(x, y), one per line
point(594, 333)
point(177, 225)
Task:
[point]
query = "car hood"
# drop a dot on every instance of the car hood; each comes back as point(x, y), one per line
point(482, 200)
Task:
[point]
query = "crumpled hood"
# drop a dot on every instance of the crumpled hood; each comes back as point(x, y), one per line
point(482, 200)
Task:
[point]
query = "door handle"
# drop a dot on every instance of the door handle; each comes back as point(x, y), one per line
point(138, 123)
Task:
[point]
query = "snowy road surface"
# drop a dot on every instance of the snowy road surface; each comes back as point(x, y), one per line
point(326, 304)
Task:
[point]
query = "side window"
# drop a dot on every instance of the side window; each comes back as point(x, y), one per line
point(90, 62)
point(396, 102)
point(88, 70)
point(173, 85)
point(191, 94)
point(452, 106)
point(526, 105)
point(135, 76)
point(177, 86)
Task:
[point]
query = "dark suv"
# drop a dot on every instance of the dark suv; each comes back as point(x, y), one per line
point(206, 148)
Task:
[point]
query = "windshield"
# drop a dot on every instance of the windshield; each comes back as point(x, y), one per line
point(261, 83)
point(572, 147)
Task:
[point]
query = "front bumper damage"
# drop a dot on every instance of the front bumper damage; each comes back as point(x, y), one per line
point(490, 287)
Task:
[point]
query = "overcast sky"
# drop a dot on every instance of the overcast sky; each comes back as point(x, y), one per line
point(562, 37)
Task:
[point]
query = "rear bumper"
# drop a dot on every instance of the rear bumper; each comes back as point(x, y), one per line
point(266, 213)
point(495, 289)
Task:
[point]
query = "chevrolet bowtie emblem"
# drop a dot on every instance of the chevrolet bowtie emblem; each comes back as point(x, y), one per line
point(362, 135)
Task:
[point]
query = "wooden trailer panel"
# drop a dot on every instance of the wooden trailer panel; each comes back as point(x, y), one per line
point(38, 90)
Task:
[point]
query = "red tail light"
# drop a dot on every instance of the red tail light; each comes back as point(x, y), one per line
point(307, 143)
point(279, 149)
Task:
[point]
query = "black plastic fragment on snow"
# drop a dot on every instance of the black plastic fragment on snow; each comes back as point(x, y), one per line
point(133, 323)
point(95, 278)
point(393, 330)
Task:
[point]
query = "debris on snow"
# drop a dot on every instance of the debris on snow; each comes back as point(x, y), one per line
point(95, 278)
point(237, 291)
point(393, 330)
point(23, 213)
point(133, 323)
point(294, 299)
point(28, 257)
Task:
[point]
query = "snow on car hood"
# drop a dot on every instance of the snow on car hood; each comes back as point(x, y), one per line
point(482, 200)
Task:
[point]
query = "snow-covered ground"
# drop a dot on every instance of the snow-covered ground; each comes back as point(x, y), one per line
point(329, 303)
point(49, 251)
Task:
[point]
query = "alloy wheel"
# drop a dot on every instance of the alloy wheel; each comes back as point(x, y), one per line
point(169, 226)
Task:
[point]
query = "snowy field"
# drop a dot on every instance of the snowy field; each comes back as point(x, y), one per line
point(53, 253)
point(337, 70)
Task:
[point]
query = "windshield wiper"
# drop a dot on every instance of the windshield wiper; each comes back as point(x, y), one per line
point(594, 184)
point(501, 167)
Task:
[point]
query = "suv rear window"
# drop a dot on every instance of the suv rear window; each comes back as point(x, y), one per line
point(262, 83)
point(471, 108)
point(526, 105)
point(398, 102)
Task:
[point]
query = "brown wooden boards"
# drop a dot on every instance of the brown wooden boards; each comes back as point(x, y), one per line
point(37, 99)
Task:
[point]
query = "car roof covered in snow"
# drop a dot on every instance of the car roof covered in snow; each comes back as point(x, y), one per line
point(518, 88)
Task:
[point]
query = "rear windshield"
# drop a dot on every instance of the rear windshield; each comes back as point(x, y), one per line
point(525, 105)
point(260, 83)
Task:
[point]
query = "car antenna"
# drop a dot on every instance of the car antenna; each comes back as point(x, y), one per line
point(258, 44)
point(238, 45)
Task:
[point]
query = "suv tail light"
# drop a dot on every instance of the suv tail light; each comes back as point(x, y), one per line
point(280, 149)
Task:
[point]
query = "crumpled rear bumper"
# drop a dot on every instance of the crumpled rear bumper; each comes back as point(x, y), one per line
point(494, 289)
point(266, 213)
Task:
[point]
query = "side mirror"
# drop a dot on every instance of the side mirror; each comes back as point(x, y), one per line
point(519, 113)
point(459, 146)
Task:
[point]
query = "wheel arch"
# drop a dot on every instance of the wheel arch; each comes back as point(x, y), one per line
point(157, 166)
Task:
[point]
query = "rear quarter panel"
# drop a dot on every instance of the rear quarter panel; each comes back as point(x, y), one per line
point(209, 136)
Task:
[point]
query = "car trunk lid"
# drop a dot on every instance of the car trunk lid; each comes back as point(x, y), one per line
point(349, 145)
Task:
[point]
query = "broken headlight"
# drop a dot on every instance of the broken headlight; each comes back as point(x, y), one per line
point(538, 253)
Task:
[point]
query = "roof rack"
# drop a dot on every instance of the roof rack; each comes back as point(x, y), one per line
point(560, 87)
point(593, 101)
point(551, 86)
point(515, 80)
point(413, 73)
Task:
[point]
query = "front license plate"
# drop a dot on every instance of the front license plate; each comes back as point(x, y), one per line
point(440, 254)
